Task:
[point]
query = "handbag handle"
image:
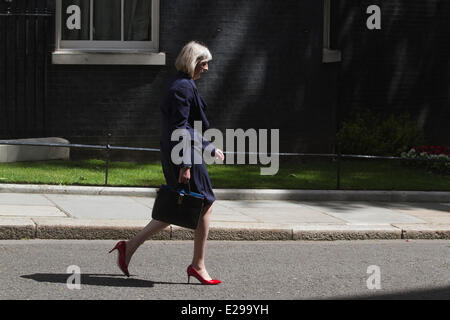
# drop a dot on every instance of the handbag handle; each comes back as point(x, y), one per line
point(184, 186)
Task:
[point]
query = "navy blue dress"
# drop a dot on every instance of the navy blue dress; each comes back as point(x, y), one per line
point(182, 106)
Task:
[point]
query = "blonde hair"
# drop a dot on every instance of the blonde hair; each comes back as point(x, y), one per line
point(191, 54)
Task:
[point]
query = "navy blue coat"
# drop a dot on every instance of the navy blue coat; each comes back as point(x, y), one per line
point(182, 106)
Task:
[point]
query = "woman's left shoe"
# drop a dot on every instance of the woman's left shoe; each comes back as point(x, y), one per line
point(192, 272)
point(121, 247)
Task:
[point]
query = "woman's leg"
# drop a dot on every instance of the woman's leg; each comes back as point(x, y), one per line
point(152, 228)
point(200, 236)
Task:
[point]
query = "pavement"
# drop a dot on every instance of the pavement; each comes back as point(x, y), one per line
point(62, 212)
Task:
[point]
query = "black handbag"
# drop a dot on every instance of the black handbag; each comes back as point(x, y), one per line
point(178, 206)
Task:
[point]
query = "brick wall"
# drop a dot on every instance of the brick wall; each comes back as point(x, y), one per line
point(402, 67)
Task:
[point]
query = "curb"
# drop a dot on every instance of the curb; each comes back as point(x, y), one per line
point(77, 229)
point(17, 228)
point(78, 190)
point(245, 194)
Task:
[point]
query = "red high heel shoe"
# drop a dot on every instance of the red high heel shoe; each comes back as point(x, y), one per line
point(121, 247)
point(192, 272)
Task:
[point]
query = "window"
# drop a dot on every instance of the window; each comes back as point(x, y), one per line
point(329, 55)
point(88, 29)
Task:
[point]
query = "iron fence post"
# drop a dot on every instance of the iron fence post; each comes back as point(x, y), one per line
point(339, 158)
point(108, 148)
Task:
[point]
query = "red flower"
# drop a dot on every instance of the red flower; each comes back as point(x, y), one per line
point(432, 149)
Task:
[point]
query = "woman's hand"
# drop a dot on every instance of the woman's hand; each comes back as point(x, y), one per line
point(185, 175)
point(219, 154)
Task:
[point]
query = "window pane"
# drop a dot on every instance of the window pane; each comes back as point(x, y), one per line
point(137, 20)
point(75, 24)
point(107, 20)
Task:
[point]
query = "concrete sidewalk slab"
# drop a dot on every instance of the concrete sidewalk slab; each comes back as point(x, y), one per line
point(434, 213)
point(362, 212)
point(24, 199)
point(30, 211)
point(258, 204)
point(101, 207)
point(146, 201)
point(222, 213)
point(288, 215)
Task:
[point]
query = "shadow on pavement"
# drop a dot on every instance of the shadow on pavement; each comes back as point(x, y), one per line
point(106, 280)
point(343, 206)
point(442, 293)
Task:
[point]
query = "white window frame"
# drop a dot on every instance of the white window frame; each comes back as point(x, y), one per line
point(329, 55)
point(108, 52)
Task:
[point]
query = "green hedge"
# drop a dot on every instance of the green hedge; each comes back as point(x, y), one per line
point(369, 134)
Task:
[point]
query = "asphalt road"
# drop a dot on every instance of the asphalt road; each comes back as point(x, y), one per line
point(395, 269)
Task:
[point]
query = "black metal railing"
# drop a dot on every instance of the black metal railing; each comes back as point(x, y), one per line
point(108, 148)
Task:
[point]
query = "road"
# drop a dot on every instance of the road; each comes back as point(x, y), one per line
point(38, 269)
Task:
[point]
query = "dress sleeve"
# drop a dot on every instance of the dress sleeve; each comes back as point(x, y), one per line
point(180, 107)
point(206, 143)
point(181, 102)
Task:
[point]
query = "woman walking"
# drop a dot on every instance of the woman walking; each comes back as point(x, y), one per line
point(182, 106)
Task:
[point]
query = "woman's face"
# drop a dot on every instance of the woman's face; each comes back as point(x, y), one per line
point(201, 67)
